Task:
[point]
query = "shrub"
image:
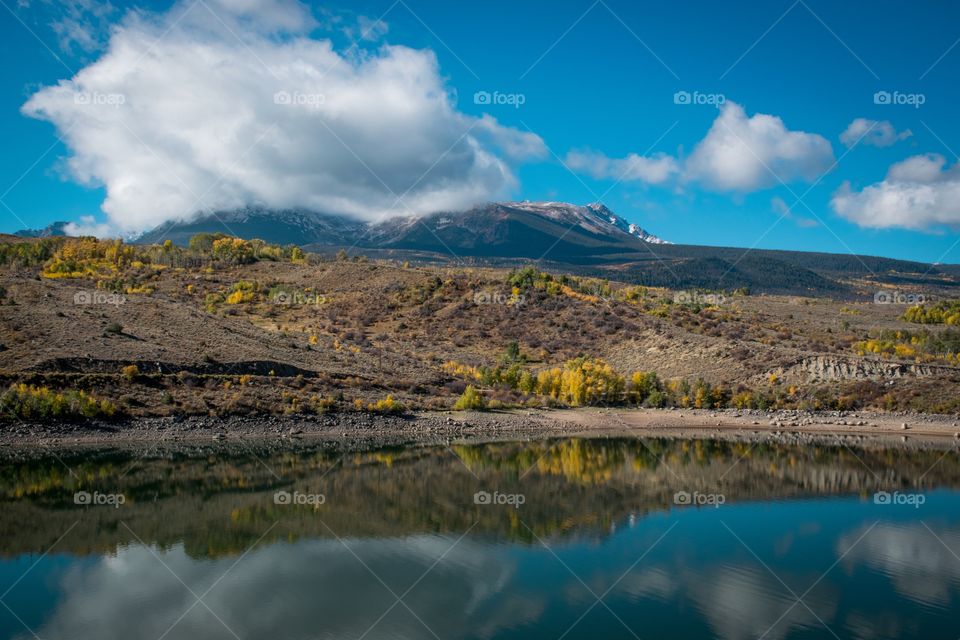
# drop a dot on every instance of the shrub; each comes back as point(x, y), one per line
point(242, 291)
point(211, 301)
point(30, 402)
point(203, 242)
point(234, 250)
point(130, 372)
point(642, 384)
point(114, 327)
point(386, 405)
point(656, 400)
point(471, 400)
point(946, 312)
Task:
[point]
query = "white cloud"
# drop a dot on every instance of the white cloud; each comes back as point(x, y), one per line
point(738, 154)
point(742, 153)
point(88, 226)
point(227, 103)
point(81, 26)
point(655, 169)
point(878, 133)
point(918, 193)
point(781, 208)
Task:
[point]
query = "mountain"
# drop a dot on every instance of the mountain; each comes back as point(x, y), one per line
point(52, 229)
point(279, 226)
point(589, 240)
point(531, 230)
point(494, 229)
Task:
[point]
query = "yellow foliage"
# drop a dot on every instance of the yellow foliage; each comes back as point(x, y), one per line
point(386, 405)
point(239, 296)
point(459, 370)
point(582, 381)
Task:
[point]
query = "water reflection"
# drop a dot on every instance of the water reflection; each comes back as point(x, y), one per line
point(399, 548)
point(921, 563)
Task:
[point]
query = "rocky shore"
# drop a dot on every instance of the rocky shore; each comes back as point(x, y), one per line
point(356, 431)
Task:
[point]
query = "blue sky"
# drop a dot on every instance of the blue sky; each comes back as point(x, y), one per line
point(597, 82)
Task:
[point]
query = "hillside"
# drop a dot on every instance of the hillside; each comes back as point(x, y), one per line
point(244, 327)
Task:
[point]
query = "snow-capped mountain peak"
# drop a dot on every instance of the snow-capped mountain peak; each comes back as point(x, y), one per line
point(594, 217)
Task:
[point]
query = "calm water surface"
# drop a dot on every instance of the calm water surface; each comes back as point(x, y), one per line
point(609, 538)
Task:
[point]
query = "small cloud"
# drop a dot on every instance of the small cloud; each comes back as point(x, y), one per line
point(781, 208)
point(655, 169)
point(919, 193)
point(88, 226)
point(877, 133)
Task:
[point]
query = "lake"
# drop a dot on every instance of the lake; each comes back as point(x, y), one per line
point(567, 538)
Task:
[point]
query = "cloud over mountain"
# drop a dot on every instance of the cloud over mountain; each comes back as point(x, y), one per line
point(226, 103)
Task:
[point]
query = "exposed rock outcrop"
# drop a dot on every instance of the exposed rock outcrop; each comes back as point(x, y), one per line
point(825, 368)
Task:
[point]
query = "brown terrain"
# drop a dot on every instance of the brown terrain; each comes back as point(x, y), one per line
point(187, 334)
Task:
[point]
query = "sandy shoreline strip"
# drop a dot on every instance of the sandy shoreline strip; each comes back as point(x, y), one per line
point(365, 431)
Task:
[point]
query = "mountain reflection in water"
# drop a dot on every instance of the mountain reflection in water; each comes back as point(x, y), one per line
point(397, 545)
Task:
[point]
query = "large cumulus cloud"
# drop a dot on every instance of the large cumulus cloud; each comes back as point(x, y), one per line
point(225, 103)
point(744, 153)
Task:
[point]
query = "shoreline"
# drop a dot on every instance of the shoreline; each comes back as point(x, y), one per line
point(354, 431)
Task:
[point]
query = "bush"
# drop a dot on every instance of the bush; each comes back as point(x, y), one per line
point(471, 400)
point(130, 372)
point(945, 312)
point(642, 384)
point(242, 291)
point(29, 402)
point(387, 405)
point(656, 400)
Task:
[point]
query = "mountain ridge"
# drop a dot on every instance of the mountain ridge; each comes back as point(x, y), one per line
point(586, 239)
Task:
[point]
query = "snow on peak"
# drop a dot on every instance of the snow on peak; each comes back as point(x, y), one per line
point(594, 217)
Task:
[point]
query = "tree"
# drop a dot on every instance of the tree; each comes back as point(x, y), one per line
point(470, 400)
point(513, 352)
